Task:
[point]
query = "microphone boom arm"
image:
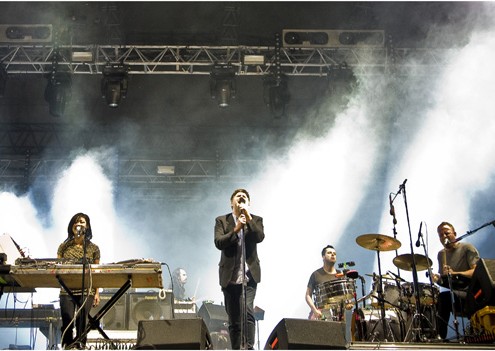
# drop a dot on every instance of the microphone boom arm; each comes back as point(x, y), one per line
point(471, 232)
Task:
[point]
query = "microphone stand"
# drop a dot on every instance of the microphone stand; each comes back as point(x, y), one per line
point(402, 188)
point(82, 316)
point(394, 222)
point(243, 345)
point(433, 323)
point(468, 233)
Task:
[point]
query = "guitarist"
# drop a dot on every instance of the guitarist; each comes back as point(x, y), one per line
point(459, 260)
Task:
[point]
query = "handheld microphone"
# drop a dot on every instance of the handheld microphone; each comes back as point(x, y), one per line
point(446, 242)
point(419, 234)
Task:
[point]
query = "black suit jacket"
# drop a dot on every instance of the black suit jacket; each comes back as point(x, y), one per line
point(226, 241)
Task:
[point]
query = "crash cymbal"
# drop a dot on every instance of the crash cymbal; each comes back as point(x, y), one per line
point(384, 276)
point(378, 242)
point(405, 262)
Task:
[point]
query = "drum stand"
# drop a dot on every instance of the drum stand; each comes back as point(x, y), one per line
point(387, 330)
point(454, 312)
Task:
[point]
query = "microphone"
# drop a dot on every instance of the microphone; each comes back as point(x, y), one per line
point(446, 242)
point(392, 209)
point(395, 276)
point(419, 234)
point(80, 230)
point(345, 264)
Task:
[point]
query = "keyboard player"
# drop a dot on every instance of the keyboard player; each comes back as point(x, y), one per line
point(78, 234)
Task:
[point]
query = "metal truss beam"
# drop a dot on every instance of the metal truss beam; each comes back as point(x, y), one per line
point(181, 59)
point(135, 171)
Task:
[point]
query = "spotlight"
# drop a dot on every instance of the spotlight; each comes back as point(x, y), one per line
point(58, 92)
point(26, 33)
point(332, 38)
point(276, 95)
point(222, 84)
point(114, 84)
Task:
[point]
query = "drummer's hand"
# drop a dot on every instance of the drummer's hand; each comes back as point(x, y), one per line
point(447, 270)
point(317, 314)
point(349, 306)
point(436, 277)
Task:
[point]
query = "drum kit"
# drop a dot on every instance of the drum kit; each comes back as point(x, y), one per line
point(399, 311)
point(406, 310)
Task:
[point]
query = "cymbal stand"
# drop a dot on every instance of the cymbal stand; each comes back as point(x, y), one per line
point(415, 323)
point(419, 315)
point(381, 299)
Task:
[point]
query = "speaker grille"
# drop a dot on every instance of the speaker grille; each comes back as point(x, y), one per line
point(116, 317)
point(173, 334)
point(148, 307)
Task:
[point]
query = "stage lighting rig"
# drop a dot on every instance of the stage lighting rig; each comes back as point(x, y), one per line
point(26, 33)
point(58, 92)
point(276, 95)
point(114, 83)
point(222, 84)
point(324, 38)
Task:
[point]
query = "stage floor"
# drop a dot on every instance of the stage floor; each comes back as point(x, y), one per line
point(419, 346)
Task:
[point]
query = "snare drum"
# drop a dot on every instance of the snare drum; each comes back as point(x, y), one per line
point(331, 293)
point(391, 295)
point(427, 293)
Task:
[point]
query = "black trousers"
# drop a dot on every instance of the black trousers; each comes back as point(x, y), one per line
point(67, 310)
point(444, 309)
point(233, 299)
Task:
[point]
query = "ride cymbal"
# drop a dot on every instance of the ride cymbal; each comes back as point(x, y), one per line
point(378, 242)
point(405, 262)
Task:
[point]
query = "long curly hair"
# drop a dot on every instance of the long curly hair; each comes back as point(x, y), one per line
point(74, 219)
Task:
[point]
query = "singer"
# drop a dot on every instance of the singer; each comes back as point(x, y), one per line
point(458, 260)
point(322, 275)
point(78, 230)
point(233, 232)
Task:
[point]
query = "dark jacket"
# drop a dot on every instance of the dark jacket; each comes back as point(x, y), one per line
point(226, 241)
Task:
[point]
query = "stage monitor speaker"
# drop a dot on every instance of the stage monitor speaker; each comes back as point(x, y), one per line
point(116, 317)
point(214, 316)
point(481, 291)
point(173, 334)
point(149, 306)
point(304, 334)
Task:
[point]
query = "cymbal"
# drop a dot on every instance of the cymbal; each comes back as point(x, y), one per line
point(378, 242)
point(384, 276)
point(405, 262)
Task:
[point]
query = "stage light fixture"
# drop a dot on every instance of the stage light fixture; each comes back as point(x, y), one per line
point(324, 38)
point(114, 84)
point(25, 33)
point(58, 92)
point(222, 84)
point(276, 95)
